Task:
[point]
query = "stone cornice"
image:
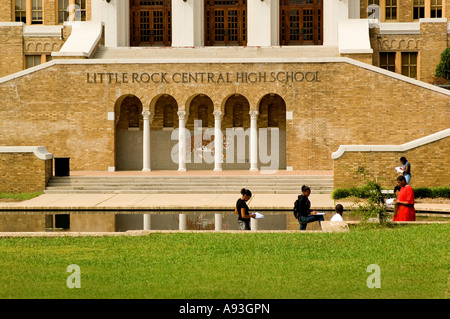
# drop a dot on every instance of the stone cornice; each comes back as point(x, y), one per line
point(40, 151)
point(391, 148)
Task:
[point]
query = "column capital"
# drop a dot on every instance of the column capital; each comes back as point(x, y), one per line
point(254, 114)
point(146, 115)
point(217, 115)
point(181, 115)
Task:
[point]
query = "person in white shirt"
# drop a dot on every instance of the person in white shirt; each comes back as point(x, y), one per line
point(337, 217)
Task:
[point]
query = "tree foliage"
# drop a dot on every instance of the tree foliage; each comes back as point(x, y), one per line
point(443, 68)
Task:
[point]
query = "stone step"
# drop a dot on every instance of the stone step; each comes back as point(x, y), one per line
point(235, 188)
point(270, 184)
point(207, 191)
point(186, 182)
point(206, 183)
point(206, 177)
point(180, 187)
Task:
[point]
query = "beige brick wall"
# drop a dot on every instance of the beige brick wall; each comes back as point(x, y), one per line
point(88, 10)
point(430, 43)
point(23, 173)
point(427, 166)
point(6, 14)
point(350, 105)
point(42, 45)
point(49, 12)
point(434, 42)
point(404, 10)
point(16, 47)
point(366, 58)
point(11, 46)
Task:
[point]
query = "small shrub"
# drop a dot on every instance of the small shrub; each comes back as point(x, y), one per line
point(423, 192)
point(419, 192)
point(443, 191)
point(374, 207)
point(339, 193)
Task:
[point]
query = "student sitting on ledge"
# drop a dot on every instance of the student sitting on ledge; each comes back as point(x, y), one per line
point(337, 217)
point(304, 208)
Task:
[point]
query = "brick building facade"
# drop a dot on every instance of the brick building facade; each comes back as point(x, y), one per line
point(111, 105)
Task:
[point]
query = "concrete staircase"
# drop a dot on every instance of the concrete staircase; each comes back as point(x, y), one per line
point(280, 184)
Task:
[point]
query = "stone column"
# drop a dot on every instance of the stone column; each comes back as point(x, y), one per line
point(146, 142)
point(187, 26)
point(254, 140)
point(253, 224)
point(181, 141)
point(147, 222)
point(218, 222)
point(28, 14)
point(263, 23)
point(72, 10)
point(182, 222)
point(218, 141)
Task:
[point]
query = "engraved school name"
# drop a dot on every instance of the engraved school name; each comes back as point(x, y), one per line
point(204, 77)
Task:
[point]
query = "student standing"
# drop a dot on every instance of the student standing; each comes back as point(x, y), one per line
point(304, 208)
point(406, 168)
point(242, 210)
point(405, 202)
point(397, 189)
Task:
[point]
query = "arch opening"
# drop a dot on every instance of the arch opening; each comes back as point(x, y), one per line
point(128, 133)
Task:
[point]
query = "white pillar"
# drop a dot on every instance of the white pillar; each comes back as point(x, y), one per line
point(147, 222)
point(187, 23)
point(218, 141)
point(181, 141)
point(146, 142)
point(253, 224)
point(218, 222)
point(182, 222)
point(263, 23)
point(254, 140)
point(115, 16)
point(333, 11)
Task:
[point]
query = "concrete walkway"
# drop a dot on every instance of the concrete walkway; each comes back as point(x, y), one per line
point(163, 201)
point(182, 202)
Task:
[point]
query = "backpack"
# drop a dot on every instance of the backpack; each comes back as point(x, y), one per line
point(296, 212)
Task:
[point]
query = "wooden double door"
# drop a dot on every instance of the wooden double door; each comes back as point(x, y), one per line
point(225, 22)
point(301, 22)
point(150, 22)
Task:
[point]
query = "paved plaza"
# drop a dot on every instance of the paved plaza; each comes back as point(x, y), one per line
point(182, 202)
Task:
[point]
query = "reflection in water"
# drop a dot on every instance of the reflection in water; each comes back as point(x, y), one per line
point(113, 221)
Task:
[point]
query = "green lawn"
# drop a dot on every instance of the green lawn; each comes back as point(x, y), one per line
point(20, 196)
point(414, 263)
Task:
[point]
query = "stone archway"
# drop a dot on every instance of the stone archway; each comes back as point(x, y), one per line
point(200, 124)
point(235, 126)
point(164, 124)
point(201, 108)
point(128, 133)
point(272, 128)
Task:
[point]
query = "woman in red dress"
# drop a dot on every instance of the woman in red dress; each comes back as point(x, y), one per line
point(404, 202)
